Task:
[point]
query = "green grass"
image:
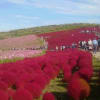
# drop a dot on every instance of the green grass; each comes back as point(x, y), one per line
point(10, 60)
point(58, 88)
point(96, 62)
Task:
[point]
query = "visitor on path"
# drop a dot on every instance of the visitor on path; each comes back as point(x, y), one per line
point(46, 45)
point(87, 46)
point(80, 44)
point(63, 47)
point(74, 45)
point(95, 45)
point(57, 48)
point(84, 45)
point(90, 44)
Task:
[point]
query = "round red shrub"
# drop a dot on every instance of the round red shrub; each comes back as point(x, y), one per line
point(34, 89)
point(3, 95)
point(78, 88)
point(48, 96)
point(3, 86)
point(22, 94)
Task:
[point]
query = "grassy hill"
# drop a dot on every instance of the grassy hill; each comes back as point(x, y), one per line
point(42, 29)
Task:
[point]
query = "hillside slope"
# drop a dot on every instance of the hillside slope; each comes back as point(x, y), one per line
point(30, 41)
point(42, 29)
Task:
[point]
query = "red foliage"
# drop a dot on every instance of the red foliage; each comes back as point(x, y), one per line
point(22, 94)
point(34, 89)
point(10, 92)
point(3, 95)
point(78, 88)
point(3, 86)
point(67, 73)
point(34, 74)
point(48, 96)
point(67, 37)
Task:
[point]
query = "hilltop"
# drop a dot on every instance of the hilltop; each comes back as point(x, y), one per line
point(42, 29)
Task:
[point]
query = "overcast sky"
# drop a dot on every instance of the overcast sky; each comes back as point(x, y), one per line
point(16, 14)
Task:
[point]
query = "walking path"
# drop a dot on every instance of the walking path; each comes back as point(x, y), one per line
point(97, 55)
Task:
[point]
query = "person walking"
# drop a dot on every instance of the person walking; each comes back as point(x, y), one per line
point(85, 46)
point(95, 45)
point(90, 44)
point(57, 48)
point(82, 44)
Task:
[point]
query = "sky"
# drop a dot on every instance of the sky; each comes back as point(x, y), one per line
point(18, 14)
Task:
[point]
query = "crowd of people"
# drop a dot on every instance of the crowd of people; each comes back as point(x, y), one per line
point(91, 45)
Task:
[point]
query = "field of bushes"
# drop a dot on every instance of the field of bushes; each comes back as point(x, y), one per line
point(71, 74)
point(30, 77)
point(52, 72)
point(66, 38)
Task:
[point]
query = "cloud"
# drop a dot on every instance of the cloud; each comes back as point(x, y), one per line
point(71, 6)
point(18, 1)
point(64, 6)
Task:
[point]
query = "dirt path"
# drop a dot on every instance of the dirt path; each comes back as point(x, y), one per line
point(97, 55)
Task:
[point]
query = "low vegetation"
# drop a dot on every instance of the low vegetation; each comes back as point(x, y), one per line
point(42, 29)
point(58, 87)
point(2, 61)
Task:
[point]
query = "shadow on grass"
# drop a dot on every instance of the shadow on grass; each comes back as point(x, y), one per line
point(61, 96)
point(63, 84)
point(95, 93)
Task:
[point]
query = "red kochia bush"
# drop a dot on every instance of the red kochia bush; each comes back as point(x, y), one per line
point(22, 94)
point(34, 89)
point(32, 64)
point(33, 74)
point(78, 88)
point(72, 61)
point(86, 72)
point(85, 88)
point(85, 59)
point(67, 72)
point(84, 63)
point(8, 78)
point(48, 96)
point(3, 95)
point(40, 79)
point(50, 71)
point(23, 79)
point(10, 92)
point(3, 85)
